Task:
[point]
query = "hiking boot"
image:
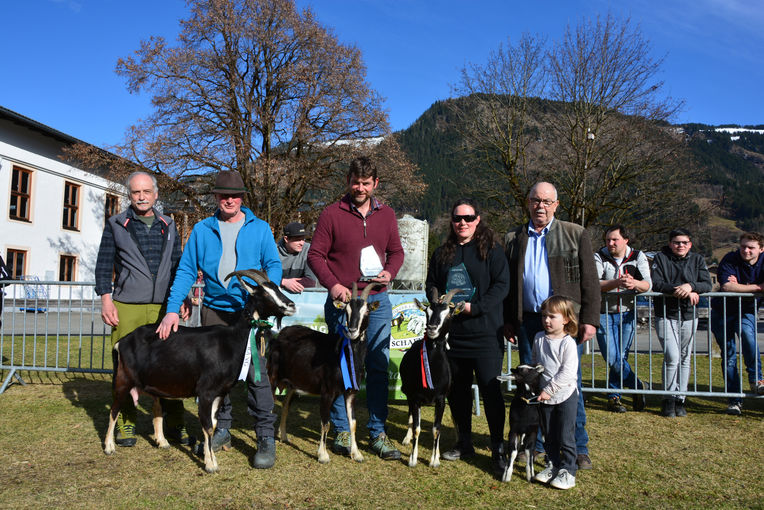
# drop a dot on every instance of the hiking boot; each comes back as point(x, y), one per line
point(546, 475)
point(382, 446)
point(221, 440)
point(758, 387)
point(125, 436)
point(583, 461)
point(341, 445)
point(564, 480)
point(178, 434)
point(679, 409)
point(614, 405)
point(668, 408)
point(734, 409)
point(458, 453)
point(265, 457)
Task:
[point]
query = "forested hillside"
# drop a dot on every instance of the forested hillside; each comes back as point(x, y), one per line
point(729, 167)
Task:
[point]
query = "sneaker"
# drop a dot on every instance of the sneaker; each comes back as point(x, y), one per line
point(265, 457)
point(583, 461)
point(178, 434)
point(221, 440)
point(125, 436)
point(458, 453)
point(679, 409)
point(614, 405)
point(341, 445)
point(564, 480)
point(668, 408)
point(735, 409)
point(382, 446)
point(546, 475)
point(758, 387)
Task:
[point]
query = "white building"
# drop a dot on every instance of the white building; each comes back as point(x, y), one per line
point(51, 213)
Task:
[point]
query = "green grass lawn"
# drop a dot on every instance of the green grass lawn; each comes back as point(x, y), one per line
point(51, 439)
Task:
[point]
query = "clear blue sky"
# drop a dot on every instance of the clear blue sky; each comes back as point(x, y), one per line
point(58, 56)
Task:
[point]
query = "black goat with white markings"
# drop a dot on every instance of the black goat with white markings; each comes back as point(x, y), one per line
point(425, 372)
point(523, 417)
point(200, 362)
point(308, 361)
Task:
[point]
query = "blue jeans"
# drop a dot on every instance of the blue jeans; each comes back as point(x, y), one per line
point(746, 329)
point(526, 333)
point(614, 336)
point(377, 361)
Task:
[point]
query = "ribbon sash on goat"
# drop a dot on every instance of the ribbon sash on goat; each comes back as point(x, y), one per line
point(425, 365)
point(255, 333)
point(347, 363)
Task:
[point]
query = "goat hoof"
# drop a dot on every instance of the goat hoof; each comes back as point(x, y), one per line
point(109, 450)
point(211, 470)
point(435, 464)
point(324, 460)
point(358, 458)
point(163, 444)
point(412, 463)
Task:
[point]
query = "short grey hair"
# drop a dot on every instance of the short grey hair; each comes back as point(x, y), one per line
point(140, 172)
point(539, 184)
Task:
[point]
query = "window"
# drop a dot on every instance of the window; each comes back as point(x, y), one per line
point(71, 205)
point(112, 206)
point(21, 189)
point(66, 268)
point(16, 262)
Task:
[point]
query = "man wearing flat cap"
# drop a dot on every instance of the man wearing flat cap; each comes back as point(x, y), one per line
point(293, 251)
point(232, 239)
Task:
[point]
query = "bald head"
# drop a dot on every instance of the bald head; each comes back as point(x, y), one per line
point(542, 204)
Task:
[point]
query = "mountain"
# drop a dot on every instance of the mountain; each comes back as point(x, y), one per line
point(729, 159)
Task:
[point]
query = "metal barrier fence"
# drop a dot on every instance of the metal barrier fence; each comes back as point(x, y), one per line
point(51, 326)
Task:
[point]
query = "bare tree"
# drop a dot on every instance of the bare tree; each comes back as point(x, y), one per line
point(611, 152)
point(257, 87)
point(499, 122)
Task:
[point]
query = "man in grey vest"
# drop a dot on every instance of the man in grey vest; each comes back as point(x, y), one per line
point(141, 249)
point(293, 252)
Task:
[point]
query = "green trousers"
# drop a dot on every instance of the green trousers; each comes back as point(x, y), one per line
point(132, 316)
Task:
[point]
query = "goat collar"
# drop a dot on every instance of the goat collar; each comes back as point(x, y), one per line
point(260, 323)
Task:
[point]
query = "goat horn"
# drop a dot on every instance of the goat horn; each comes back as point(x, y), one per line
point(448, 297)
point(355, 291)
point(368, 289)
point(258, 276)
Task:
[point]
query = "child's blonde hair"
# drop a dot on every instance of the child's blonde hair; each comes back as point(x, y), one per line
point(564, 306)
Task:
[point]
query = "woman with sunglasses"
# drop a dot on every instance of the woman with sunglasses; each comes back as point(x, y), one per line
point(473, 261)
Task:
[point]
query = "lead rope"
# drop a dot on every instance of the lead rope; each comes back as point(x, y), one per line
point(258, 333)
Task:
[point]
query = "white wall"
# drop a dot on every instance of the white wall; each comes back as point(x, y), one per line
point(44, 239)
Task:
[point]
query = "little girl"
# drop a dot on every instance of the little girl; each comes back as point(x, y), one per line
point(556, 350)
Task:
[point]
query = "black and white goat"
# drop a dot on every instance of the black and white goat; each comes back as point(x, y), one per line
point(308, 361)
point(200, 362)
point(425, 372)
point(524, 417)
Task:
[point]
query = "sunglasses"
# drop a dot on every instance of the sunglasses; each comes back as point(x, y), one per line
point(469, 218)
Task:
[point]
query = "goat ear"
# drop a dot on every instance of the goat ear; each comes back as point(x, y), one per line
point(459, 308)
point(539, 368)
point(373, 305)
point(339, 305)
point(420, 305)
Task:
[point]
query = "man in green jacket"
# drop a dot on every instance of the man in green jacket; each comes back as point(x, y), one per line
point(548, 257)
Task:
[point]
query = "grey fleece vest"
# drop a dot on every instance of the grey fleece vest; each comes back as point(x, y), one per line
point(134, 283)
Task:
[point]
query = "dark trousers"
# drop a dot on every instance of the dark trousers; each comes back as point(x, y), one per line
point(485, 371)
point(259, 394)
point(558, 423)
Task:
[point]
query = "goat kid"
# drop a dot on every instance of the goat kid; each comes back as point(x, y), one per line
point(308, 361)
point(425, 372)
point(200, 362)
point(524, 417)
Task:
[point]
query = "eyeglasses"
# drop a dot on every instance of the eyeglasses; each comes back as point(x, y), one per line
point(535, 202)
point(679, 243)
point(469, 218)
